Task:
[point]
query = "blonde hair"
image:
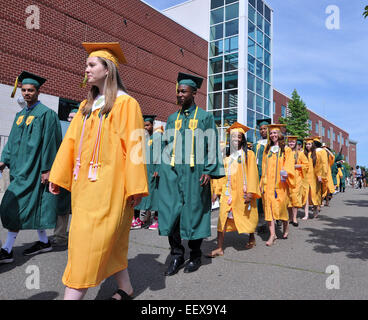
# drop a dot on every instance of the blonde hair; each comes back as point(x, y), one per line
point(113, 83)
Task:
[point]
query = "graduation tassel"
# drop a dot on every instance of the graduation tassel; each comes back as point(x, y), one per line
point(84, 82)
point(15, 88)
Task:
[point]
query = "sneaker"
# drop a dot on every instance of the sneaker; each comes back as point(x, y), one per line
point(38, 247)
point(154, 225)
point(59, 242)
point(6, 257)
point(136, 224)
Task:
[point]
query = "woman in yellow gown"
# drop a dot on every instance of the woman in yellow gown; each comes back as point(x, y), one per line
point(278, 177)
point(313, 193)
point(301, 167)
point(101, 161)
point(239, 190)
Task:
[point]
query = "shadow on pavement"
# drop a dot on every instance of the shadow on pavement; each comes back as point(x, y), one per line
point(358, 203)
point(48, 295)
point(144, 271)
point(345, 234)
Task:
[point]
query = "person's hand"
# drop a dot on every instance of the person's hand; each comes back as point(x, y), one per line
point(45, 177)
point(155, 174)
point(2, 166)
point(214, 197)
point(319, 179)
point(205, 179)
point(54, 188)
point(248, 198)
point(134, 200)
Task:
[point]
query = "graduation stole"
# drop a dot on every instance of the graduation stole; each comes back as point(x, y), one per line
point(193, 124)
point(269, 155)
point(241, 160)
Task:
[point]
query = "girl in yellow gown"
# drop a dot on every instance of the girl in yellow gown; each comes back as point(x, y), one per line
point(103, 166)
point(278, 177)
point(313, 193)
point(239, 190)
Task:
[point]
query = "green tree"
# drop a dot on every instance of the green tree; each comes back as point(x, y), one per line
point(297, 118)
point(365, 13)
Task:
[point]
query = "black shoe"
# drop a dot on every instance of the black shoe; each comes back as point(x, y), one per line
point(6, 257)
point(38, 247)
point(174, 266)
point(193, 265)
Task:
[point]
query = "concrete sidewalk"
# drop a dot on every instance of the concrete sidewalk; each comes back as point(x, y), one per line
point(296, 268)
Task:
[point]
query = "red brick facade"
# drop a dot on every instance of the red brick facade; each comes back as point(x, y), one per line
point(156, 48)
point(334, 137)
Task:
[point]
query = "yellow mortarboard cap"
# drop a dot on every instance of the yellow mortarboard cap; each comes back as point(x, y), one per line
point(236, 126)
point(292, 138)
point(276, 126)
point(309, 139)
point(317, 138)
point(108, 50)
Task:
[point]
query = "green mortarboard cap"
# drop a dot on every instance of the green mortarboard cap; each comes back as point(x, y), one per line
point(263, 122)
point(149, 117)
point(74, 111)
point(300, 141)
point(29, 78)
point(189, 80)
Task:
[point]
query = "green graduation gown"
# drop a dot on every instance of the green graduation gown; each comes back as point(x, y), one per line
point(153, 158)
point(31, 148)
point(258, 149)
point(180, 192)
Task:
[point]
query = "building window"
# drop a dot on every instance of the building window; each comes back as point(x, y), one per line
point(267, 13)
point(317, 131)
point(274, 107)
point(252, 30)
point(231, 44)
point(217, 48)
point(231, 99)
point(283, 111)
point(323, 131)
point(231, 62)
point(231, 80)
point(215, 83)
point(310, 125)
point(217, 32)
point(260, 6)
point(231, 28)
point(251, 82)
point(259, 104)
point(232, 11)
point(267, 74)
point(267, 107)
point(252, 14)
point(214, 101)
point(338, 138)
point(251, 100)
point(251, 47)
point(333, 136)
point(251, 64)
point(328, 134)
point(217, 16)
point(216, 3)
point(216, 65)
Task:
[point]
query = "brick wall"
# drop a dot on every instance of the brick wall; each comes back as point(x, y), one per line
point(151, 43)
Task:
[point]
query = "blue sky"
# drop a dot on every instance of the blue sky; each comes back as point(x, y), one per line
point(328, 68)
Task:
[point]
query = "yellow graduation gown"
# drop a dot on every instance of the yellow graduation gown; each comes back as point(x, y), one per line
point(339, 176)
point(330, 188)
point(100, 224)
point(245, 219)
point(314, 187)
point(296, 194)
point(274, 191)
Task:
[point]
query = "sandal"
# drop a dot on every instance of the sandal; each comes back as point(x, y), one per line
point(213, 254)
point(123, 295)
point(250, 244)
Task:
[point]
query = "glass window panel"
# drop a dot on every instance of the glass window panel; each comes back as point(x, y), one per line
point(251, 100)
point(217, 32)
point(260, 6)
point(251, 120)
point(231, 44)
point(252, 14)
point(215, 83)
point(259, 69)
point(217, 16)
point(267, 105)
point(259, 21)
point(253, 3)
point(267, 58)
point(216, 65)
point(267, 91)
point(283, 111)
point(259, 53)
point(231, 62)
point(231, 99)
point(267, 28)
point(267, 74)
point(259, 104)
point(216, 3)
point(251, 64)
point(230, 116)
point(230, 1)
point(267, 43)
point(214, 101)
point(267, 13)
point(250, 136)
point(251, 47)
point(231, 80)
point(232, 11)
point(259, 37)
point(231, 28)
point(259, 86)
point(251, 82)
point(216, 48)
point(251, 30)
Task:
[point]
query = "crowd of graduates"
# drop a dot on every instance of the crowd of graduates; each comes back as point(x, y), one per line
point(93, 172)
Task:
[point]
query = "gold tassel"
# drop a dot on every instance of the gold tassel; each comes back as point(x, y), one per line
point(15, 88)
point(84, 83)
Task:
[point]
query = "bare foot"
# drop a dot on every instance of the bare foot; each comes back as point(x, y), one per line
point(271, 241)
point(215, 253)
point(305, 218)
